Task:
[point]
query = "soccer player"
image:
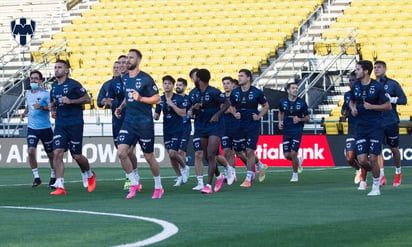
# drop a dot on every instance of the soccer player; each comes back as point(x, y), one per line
point(102, 98)
point(351, 136)
point(115, 97)
point(38, 125)
point(140, 93)
point(293, 114)
point(368, 101)
point(181, 85)
point(246, 99)
point(396, 96)
point(207, 103)
point(173, 110)
point(67, 98)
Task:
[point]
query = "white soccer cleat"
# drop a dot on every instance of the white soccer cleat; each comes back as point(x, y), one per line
point(362, 185)
point(179, 181)
point(374, 193)
point(198, 187)
point(294, 178)
point(358, 176)
point(300, 160)
point(185, 173)
point(230, 175)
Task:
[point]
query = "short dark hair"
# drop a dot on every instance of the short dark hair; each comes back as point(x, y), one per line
point(121, 56)
point(366, 65)
point(227, 78)
point(37, 72)
point(235, 81)
point(290, 84)
point(138, 53)
point(66, 63)
point(247, 72)
point(203, 75)
point(182, 80)
point(380, 62)
point(194, 70)
point(169, 78)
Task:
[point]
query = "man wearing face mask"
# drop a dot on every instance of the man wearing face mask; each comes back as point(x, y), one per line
point(38, 126)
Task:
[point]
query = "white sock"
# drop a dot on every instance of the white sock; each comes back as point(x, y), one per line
point(249, 175)
point(157, 182)
point(200, 180)
point(219, 177)
point(52, 173)
point(35, 173)
point(136, 174)
point(89, 173)
point(295, 174)
point(132, 178)
point(376, 183)
point(382, 173)
point(398, 170)
point(60, 183)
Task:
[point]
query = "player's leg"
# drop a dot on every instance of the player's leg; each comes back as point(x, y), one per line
point(32, 141)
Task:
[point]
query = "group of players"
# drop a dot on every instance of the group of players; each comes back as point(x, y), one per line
point(131, 94)
point(230, 119)
point(373, 120)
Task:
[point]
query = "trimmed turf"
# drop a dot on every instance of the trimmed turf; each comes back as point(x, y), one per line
point(323, 209)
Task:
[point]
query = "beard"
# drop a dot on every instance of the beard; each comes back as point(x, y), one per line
point(179, 90)
point(131, 66)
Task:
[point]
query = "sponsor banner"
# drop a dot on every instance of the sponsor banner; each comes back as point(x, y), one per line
point(337, 146)
point(100, 151)
point(313, 148)
point(317, 150)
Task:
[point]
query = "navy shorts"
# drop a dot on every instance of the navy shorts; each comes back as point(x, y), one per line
point(249, 137)
point(172, 141)
point(391, 135)
point(291, 141)
point(350, 143)
point(68, 137)
point(185, 139)
point(45, 135)
point(369, 141)
point(130, 134)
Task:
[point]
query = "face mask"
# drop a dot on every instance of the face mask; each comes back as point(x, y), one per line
point(34, 86)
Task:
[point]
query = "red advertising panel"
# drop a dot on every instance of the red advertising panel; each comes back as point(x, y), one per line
point(314, 149)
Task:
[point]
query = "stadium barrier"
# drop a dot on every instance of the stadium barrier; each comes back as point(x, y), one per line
point(317, 150)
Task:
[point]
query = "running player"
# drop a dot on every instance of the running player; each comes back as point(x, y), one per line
point(205, 104)
point(173, 110)
point(368, 101)
point(390, 121)
point(141, 93)
point(115, 95)
point(67, 98)
point(246, 100)
point(181, 85)
point(351, 136)
point(38, 125)
point(293, 114)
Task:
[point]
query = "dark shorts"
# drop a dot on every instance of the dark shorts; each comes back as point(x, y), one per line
point(248, 137)
point(369, 141)
point(185, 139)
point(130, 134)
point(291, 141)
point(45, 135)
point(172, 141)
point(350, 143)
point(68, 137)
point(391, 135)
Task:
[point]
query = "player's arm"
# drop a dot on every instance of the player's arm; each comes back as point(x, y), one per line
point(387, 106)
point(154, 99)
point(85, 99)
point(263, 111)
point(401, 96)
point(120, 108)
point(281, 115)
point(23, 115)
point(156, 114)
point(222, 109)
point(179, 111)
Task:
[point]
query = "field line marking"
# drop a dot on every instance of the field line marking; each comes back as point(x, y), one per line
point(169, 229)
